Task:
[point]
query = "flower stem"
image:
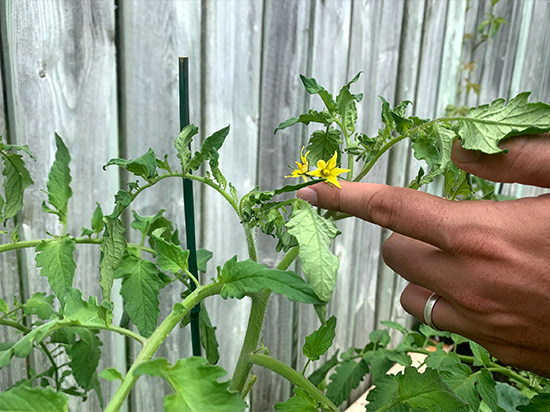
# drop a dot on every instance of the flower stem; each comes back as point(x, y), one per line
point(294, 377)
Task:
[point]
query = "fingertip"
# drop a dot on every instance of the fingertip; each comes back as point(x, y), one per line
point(462, 156)
point(308, 194)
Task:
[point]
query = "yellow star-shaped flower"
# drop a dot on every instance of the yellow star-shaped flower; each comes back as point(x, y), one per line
point(302, 168)
point(328, 170)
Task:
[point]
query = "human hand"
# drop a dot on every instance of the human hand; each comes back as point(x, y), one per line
point(489, 261)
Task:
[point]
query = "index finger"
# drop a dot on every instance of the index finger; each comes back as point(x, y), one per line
point(412, 213)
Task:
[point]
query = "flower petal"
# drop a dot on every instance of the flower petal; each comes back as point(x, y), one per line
point(316, 173)
point(337, 171)
point(332, 162)
point(332, 179)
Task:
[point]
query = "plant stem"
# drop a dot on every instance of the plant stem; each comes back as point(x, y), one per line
point(305, 367)
point(156, 339)
point(294, 377)
point(248, 385)
point(254, 328)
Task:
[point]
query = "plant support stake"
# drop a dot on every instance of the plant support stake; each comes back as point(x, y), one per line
point(188, 205)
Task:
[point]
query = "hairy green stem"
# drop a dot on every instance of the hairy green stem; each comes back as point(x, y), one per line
point(254, 328)
point(294, 377)
point(248, 385)
point(156, 339)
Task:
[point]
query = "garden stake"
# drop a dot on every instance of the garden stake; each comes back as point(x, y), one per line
point(189, 206)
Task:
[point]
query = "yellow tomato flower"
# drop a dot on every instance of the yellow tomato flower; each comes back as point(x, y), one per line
point(328, 170)
point(302, 168)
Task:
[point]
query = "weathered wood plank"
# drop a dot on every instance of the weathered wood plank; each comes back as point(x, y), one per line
point(60, 68)
point(231, 93)
point(150, 119)
point(284, 57)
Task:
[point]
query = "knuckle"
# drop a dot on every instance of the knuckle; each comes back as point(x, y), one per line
point(382, 209)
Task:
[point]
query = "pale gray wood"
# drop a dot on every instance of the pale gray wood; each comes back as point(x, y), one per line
point(150, 119)
point(60, 68)
point(231, 93)
point(284, 57)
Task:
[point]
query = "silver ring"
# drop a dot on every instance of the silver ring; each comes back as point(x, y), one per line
point(428, 309)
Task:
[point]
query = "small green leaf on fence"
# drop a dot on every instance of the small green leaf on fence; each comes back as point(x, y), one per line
point(112, 250)
point(140, 290)
point(144, 166)
point(320, 340)
point(203, 256)
point(182, 143)
point(4, 308)
point(17, 179)
point(209, 148)
point(111, 374)
point(25, 399)
point(97, 219)
point(57, 263)
point(306, 118)
point(59, 180)
point(302, 402)
point(195, 384)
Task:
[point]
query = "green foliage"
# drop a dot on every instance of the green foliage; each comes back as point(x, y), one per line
point(348, 375)
point(302, 402)
point(170, 257)
point(57, 263)
point(208, 337)
point(25, 399)
point(140, 290)
point(144, 166)
point(16, 180)
point(112, 249)
point(314, 235)
point(245, 277)
point(321, 340)
point(85, 355)
point(195, 384)
point(323, 144)
point(111, 374)
point(209, 151)
point(38, 304)
point(182, 144)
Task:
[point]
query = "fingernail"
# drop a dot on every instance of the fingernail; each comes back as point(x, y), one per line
point(465, 156)
point(307, 194)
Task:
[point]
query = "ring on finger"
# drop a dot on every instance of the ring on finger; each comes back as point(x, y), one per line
point(428, 309)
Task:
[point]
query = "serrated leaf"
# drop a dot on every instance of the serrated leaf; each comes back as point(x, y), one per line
point(378, 362)
point(440, 359)
point(39, 304)
point(23, 347)
point(25, 399)
point(323, 144)
point(509, 397)
point(144, 166)
point(112, 249)
point(306, 118)
point(259, 197)
point(346, 108)
point(414, 391)
point(460, 379)
point(380, 337)
point(17, 179)
point(170, 257)
point(203, 256)
point(182, 144)
point(320, 340)
point(538, 403)
point(59, 180)
point(348, 375)
point(4, 306)
point(481, 355)
point(312, 87)
point(111, 374)
point(85, 355)
point(97, 219)
point(319, 374)
point(394, 325)
point(195, 384)
point(485, 126)
point(122, 201)
point(244, 277)
point(208, 337)
point(209, 148)
point(486, 387)
point(314, 235)
point(78, 311)
point(302, 402)
point(57, 263)
point(164, 165)
point(140, 290)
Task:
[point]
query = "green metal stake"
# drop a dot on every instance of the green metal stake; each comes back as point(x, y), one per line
point(189, 206)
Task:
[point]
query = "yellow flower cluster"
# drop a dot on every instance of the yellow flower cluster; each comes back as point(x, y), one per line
point(325, 170)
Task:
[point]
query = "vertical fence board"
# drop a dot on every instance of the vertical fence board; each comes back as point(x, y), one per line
point(60, 63)
point(149, 73)
point(284, 57)
point(231, 80)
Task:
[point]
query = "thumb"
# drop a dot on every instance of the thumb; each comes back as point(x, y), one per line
point(527, 161)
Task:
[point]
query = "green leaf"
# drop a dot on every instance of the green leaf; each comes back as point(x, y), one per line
point(97, 219)
point(4, 306)
point(85, 355)
point(346, 108)
point(321, 340)
point(481, 355)
point(378, 362)
point(203, 256)
point(25, 399)
point(17, 179)
point(122, 201)
point(78, 311)
point(306, 118)
point(39, 304)
point(347, 377)
point(509, 397)
point(56, 261)
point(208, 337)
point(112, 250)
point(323, 144)
point(312, 87)
point(195, 384)
point(111, 374)
point(259, 197)
point(144, 166)
point(538, 403)
point(487, 388)
point(314, 234)
point(394, 325)
point(485, 126)
point(209, 148)
point(302, 402)
point(380, 337)
point(170, 257)
point(182, 144)
point(319, 374)
point(460, 379)
point(440, 359)
point(140, 290)
point(244, 277)
point(412, 391)
point(59, 180)
point(24, 148)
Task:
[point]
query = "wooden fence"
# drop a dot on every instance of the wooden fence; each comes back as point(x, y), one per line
point(103, 75)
